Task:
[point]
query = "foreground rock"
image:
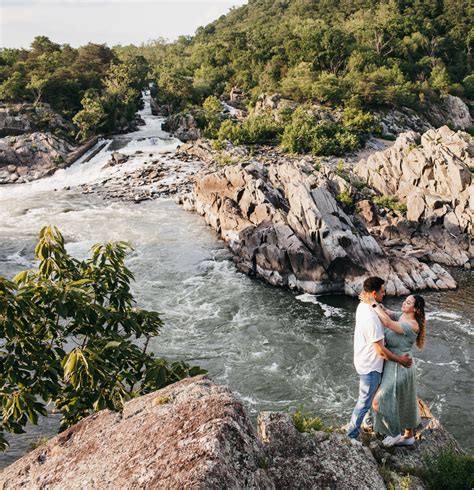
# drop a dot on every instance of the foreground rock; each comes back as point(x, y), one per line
point(283, 223)
point(432, 174)
point(196, 434)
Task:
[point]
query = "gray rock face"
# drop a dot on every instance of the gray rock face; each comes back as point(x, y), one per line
point(453, 111)
point(17, 119)
point(183, 127)
point(284, 225)
point(432, 175)
point(193, 434)
point(31, 156)
point(316, 460)
point(196, 434)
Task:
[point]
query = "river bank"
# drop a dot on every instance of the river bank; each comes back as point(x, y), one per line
point(276, 349)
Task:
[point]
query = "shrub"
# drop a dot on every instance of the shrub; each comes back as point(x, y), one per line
point(390, 202)
point(305, 134)
point(451, 471)
point(232, 131)
point(345, 199)
point(468, 84)
point(305, 422)
point(329, 88)
point(261, 129)
point(72, 336)
point(298, 134)
point(255, 129)
point(212, 116)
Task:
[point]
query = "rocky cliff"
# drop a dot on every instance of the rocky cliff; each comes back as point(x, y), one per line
point(286, 221)
point(196, 434)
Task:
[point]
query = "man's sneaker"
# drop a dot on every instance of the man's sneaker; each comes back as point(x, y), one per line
point(406, 441)
point(367, 427)
point(355, 442)
point(390, 441)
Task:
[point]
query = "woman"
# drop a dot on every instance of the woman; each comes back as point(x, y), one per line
point(395, 404)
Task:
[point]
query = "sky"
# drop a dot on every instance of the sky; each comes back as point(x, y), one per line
point(78, 22)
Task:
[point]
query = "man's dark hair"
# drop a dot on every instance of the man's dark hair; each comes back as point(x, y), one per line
point(373, 283)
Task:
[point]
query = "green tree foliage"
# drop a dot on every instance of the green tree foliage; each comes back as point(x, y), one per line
point(366, 52)
point(72, 336)
point(305, 133)
point(212, 116)
point(92, 117)
point(62, 76)
point(255, 129)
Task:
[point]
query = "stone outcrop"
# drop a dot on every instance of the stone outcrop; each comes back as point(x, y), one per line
point(452, 111)
point(432, 175)
point(31, 156)
point(183, 126)
point(284, 225)
point(313, 460)
point(16, 119)
point(196, 434)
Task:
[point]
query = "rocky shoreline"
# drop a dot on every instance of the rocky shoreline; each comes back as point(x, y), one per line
point(289, 220)
point(197, 434)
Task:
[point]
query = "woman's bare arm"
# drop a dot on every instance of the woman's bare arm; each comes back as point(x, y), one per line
point(387, 321)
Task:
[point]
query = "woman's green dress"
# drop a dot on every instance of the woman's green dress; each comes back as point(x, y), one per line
point(398, 406)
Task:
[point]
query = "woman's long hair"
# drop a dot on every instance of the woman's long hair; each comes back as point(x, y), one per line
point(421, 320)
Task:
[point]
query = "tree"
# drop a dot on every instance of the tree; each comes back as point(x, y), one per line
point(120, 95)
point(72, 336)
point(91, 117)
point(37, 85)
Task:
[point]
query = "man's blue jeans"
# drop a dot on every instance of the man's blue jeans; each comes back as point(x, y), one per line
point(368, 385)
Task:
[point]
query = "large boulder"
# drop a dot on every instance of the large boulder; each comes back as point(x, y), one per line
point(314, 460)
point(193, 434)
point(452, 111)
point(183, 126)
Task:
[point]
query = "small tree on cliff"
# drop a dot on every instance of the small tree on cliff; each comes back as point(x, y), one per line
point(71, 336)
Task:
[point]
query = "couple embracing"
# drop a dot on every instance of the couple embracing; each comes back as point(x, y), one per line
point(382, 358)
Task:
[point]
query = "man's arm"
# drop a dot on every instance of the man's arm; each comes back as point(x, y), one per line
point(382, 351)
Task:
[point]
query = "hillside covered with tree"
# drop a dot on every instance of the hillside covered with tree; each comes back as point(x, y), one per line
point(366, 53)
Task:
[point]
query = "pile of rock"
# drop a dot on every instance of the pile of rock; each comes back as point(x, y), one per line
point(196, 434)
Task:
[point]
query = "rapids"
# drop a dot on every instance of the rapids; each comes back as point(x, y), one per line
point(275, 349)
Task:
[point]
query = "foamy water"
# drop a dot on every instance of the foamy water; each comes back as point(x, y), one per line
point(276, 350)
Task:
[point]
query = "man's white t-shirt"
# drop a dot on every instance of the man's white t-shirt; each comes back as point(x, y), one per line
point(368, 329)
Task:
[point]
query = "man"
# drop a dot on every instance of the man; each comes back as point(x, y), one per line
point(369, 354)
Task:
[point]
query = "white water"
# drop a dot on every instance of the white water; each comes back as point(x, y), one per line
point(276, 350)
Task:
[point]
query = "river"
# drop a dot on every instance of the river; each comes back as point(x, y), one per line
point(276, 349)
